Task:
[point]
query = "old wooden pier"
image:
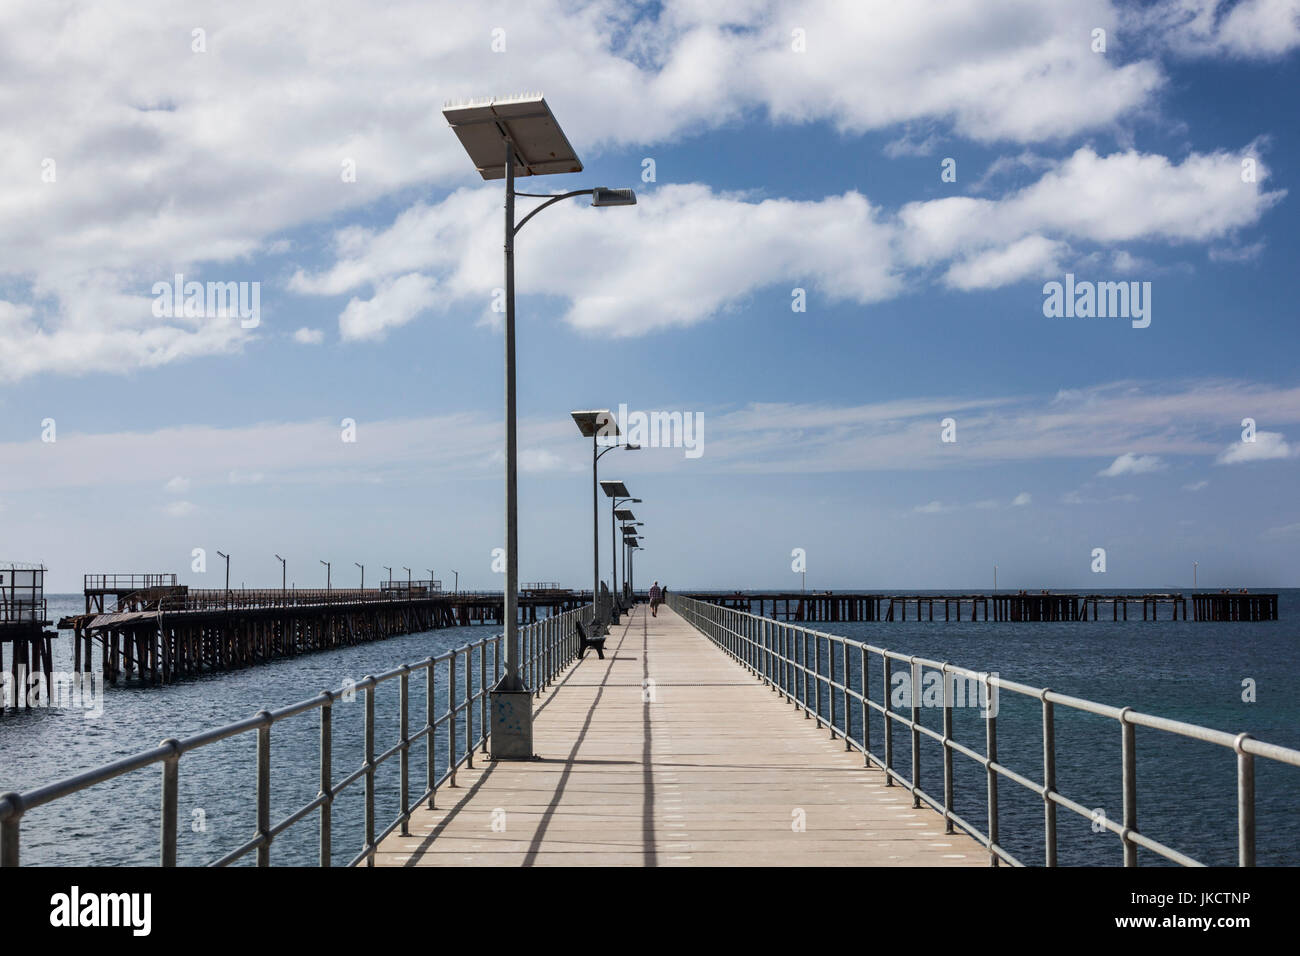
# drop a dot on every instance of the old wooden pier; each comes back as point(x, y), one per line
point(158, 631)
point(1000, 606)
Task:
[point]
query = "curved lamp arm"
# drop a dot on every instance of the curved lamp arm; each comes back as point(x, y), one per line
point(549, 202)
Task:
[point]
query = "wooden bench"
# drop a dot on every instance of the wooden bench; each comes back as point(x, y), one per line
point(584, 642)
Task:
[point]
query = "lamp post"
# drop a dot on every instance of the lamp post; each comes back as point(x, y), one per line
point(505, 138)
point(627, 525)
point(627, 521)
point(618, 495)
point(388, 581)
point(632, 548)
point(283, 572)
point(430, 570)
point(629, 539)
point(1195, 565)
point(227, 557)
point(327, 579)
point(363, 574)
point(456, 586)
point(408, 581)
point(597, 425)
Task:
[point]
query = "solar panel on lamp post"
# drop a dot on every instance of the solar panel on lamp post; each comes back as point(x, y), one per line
point(505, 138)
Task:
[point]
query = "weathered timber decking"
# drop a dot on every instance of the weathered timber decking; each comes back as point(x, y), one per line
point(713, 770)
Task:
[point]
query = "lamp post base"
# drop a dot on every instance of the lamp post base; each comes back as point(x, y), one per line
point(512, 724)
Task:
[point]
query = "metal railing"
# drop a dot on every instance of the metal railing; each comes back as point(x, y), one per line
point(21, 611)
point(546, 648)
point(22, 594)
point(123, 582)
point(215, 599)
point(789, 658)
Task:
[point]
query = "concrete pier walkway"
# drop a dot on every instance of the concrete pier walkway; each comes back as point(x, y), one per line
point(668, 753)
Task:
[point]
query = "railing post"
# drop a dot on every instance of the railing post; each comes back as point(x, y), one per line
point(889, 721)
point(1128, 754)
point(9, 853)
point(803, 671)
point(866, 707)
point(991, 752)
point(782, 661)
point(370, 771)
point(469, 708)
point(1245, 803)
point(451, 718)
point(915, 678)
point(404, 758)
point(1049, 779)
point(830, 680)
point(947, 750)
point(326, 778)
point(847, 700)
point(430, 668)
point(482, 696)
point(170, 775)
point(264, 789)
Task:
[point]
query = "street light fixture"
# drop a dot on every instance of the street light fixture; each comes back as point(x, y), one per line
point(628, 526)
point(408, 581)
point(505, 138)
point(227, 557)
point(456, 586)
point(363, 574)
point(327, 577)
point(618, 495)
point(283, 572)
point(632, 548)
point(597, 425)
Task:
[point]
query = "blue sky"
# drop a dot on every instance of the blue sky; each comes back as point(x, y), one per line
point(219, 155)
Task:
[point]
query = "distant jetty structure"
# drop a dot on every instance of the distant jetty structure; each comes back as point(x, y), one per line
point(148, 627)
point(1021, 606)
point(23, 623)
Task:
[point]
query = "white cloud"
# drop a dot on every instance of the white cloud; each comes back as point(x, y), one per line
point(1256, 29)
point(174, 161)
point(686, 253)
point(306, 336)
point(396, 302)
point(897, 435)
point(1196, 485)
point(1030, 257)
point(1131, 464)
point(681, 255)
point(1121, 197)
point(1022, 499)
point(180, 509)
point(933, 507)
point(1267, 446)
point(178, 485)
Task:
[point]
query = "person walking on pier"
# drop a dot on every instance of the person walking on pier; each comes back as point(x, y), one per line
point(656, 597)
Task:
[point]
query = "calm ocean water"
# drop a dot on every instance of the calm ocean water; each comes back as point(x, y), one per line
point(1186, 790)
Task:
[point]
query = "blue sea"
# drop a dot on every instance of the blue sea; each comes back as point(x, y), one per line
point(1186, 790)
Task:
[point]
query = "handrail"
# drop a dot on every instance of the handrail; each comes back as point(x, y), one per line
point(779, 655)
point(136, 582)
point(547, 648)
